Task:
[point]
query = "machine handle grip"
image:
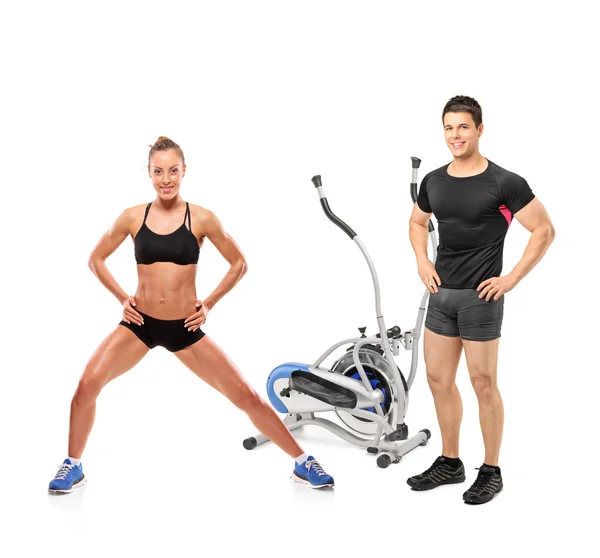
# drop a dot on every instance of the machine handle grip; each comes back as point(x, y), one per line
point(413, 191)
point(414, 187)
point(335, 219)
point(416, 162)
point(316, 180)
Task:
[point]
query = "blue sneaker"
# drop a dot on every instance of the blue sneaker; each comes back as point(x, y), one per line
point(311, 473)
point(67, 478)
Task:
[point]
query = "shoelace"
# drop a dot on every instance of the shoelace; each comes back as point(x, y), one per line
point(482, 479)
point(316, 467)
point(435, 465)
point(63, 471)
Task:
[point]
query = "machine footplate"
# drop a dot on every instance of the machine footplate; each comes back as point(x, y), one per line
point(323, 390)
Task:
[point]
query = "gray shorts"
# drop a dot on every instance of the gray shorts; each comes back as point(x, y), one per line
point(459, 312)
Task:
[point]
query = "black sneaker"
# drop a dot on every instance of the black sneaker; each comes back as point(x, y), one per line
point(487, 485)
point(439, 473)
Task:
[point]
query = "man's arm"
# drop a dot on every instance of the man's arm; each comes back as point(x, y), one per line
point(418, 233)
point(536, 220)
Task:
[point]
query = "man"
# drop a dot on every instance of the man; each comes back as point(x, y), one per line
point(474, 202)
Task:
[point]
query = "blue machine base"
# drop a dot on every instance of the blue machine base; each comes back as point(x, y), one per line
point(282, 371)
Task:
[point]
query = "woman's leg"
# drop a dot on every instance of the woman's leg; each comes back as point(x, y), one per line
point(206, 359)
point(117, 354)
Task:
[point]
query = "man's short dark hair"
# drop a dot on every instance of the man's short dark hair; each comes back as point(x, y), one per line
point(462, 103)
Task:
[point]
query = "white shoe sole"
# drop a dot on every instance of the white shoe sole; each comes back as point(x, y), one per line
point(296, 478)
point(77, 485)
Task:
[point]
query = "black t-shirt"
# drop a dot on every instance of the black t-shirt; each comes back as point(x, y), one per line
point(473, 215)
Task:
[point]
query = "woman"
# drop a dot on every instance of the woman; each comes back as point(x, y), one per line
point(167, 236)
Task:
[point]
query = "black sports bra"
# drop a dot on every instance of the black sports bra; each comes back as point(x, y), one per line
point(179, 247)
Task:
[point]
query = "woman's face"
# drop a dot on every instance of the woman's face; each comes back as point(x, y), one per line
point(166, 170)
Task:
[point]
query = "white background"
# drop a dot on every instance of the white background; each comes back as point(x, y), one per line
point(262, 96)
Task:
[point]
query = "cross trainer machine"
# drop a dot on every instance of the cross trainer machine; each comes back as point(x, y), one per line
point(364, 387)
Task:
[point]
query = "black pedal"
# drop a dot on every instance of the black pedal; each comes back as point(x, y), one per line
point(333, 394)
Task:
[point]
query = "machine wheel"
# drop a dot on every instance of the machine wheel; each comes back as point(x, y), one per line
point(383, 461)
point(377, 370)
point(250, 443)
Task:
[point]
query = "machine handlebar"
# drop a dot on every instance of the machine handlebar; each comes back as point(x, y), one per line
point(413, 192)
point(416, 162)
point(316, 180)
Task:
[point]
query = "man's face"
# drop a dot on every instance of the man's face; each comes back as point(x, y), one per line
point(462, 136)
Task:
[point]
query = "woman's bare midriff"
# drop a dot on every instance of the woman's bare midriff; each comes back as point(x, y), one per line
point(166, 291)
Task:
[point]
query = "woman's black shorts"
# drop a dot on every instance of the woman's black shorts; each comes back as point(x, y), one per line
point(170, 334)
point(460, 312)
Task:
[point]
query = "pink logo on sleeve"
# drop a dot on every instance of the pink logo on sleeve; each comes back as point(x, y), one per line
point(506, 212)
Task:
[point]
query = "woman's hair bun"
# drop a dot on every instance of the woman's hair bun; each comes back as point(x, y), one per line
point(162, 144)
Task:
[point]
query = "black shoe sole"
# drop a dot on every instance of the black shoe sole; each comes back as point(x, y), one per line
point(421, 488)
point(473, 503)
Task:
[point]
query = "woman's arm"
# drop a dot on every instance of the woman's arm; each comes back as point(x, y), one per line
point(109, 242)
point(227, 247)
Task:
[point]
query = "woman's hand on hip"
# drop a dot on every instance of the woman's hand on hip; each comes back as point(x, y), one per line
point(193, 322)
point(130, 315)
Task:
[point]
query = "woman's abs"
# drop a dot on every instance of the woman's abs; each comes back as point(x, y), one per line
point(166, 291)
